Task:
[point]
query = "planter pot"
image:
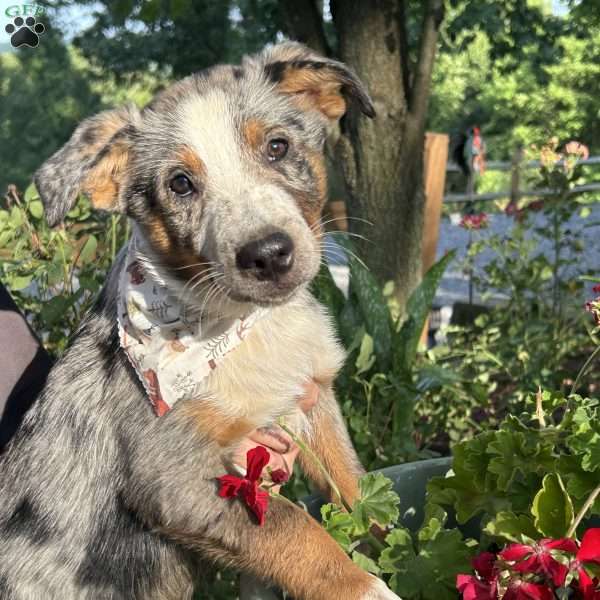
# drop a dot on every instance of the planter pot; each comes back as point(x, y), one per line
point(410, 481)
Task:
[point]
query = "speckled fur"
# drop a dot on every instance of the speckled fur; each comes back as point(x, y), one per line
point(99, 498)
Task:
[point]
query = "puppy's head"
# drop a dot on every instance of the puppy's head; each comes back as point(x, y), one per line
point(224, 171)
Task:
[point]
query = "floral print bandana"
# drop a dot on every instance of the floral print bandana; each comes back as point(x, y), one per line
point(170, 352)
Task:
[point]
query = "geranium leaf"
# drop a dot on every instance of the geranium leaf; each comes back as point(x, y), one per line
point(552, 507)
point(430, 573)
point(400, 549)
point(339, 524)
point(511, 527)
point(365, 563)
point(378, 502)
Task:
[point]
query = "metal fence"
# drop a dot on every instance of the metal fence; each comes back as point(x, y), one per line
point(515, 167)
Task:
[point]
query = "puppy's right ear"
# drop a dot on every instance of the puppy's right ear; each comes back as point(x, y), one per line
point(93, 161)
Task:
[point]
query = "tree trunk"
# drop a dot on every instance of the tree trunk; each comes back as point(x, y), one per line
point(382, 159)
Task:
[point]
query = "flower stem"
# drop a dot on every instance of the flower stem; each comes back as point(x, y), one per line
point(375, 543)
point(113, 236)
point(583, 369)
point(302, 445)
point(586, 506)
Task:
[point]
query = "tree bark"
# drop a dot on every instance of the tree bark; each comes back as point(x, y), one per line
point(382, 159)
point(303, 20)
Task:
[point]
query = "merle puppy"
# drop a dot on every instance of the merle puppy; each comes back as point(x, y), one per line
point(204, 331)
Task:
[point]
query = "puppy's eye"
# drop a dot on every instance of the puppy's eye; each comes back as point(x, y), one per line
point(181, 185)
point(277, 149)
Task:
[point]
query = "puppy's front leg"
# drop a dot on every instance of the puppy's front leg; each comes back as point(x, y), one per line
point(291, 549)
point(172, 487)
point(330, 441)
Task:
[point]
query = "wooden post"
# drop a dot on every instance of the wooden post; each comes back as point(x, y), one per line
point(515, 176)
point(435, 159)
point(335, 213)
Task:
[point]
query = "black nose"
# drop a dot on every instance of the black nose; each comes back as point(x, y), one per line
point(267, 258)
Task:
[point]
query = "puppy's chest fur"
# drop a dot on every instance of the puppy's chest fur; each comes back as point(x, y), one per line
point(264, 376)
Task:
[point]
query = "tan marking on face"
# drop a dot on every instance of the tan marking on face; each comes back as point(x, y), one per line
point(183, 260)
point(159, 235)
point(253, 131)
point(311, 205)
point(314, 89)
point(103, 181)
point(192, 162)
point(223, 429)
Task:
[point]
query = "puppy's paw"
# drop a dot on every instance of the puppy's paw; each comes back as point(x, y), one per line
point(379, 591)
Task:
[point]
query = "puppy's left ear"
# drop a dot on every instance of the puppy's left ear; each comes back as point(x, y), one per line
point(93, 161)
point(315, 82)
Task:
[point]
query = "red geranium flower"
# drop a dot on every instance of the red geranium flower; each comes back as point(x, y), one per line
point(248, 488)
point(279, 476)
point(538, 559)
point(589, 551)
point(473, 588)
point(588, 586)
point(479, 221)
point(596, 289)
point(523, 590)
point(484, 585)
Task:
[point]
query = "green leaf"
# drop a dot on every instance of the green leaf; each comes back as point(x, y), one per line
point(373, 306)
point(5, 237)
point(510, 458)
point(400, 549)
point(18, 282)
point(378, 502)
point(431, 376)
point(36, 209)
point(552, 507)
point(432, 526)
point(365, 563)
point(327, 292)
point(365, 358)
point(460, 493)
point(31, 193)
point(511, 527)
point(471, 460)
point(88, 252)
point(406, 341)
point(339, 524)
point(16, 216)
point(429, 574)
point(53, 311)
point(349, 323)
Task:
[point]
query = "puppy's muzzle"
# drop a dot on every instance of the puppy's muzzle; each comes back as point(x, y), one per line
point(267, 259)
